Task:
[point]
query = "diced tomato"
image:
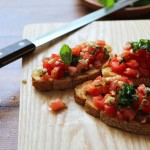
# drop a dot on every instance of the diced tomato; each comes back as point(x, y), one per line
point(131, 72)
point(127, 55)
point(81, 66)
point(142, 89)
point(92, 90)
point(146, 105)
point(57, 105)
point(45, 77)
point(110, 110)
point(119, 115)
point(47, 65)
point(76, 50)
point(132, 63)
point(117, 67)
point(144, 64)
point(142, 54)
point(87, 56)
point(144, 72)
point(148, 60)
point(90, 49)
point(99, 56)
point(99, 102)
point(97, 63)
point(137, 103)
point(127, 46)
point(125, 79)
point(128, 113)
point(57, 72)
point(101, 43)
point(113, 86)
point(72, 70)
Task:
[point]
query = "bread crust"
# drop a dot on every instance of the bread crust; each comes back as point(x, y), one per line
point(82, 99)
point(107, 72)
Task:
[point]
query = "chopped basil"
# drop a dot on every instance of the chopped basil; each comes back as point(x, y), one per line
point(127, 96)
point(106, 52)
point(141, 44)
point(66, 54)
point(122, 60)
point(98, 85)
point(75, 60)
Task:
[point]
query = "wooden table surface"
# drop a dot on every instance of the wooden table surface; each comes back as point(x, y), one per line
point(14, 15)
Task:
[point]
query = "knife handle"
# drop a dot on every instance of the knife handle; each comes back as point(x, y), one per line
point(15, 51)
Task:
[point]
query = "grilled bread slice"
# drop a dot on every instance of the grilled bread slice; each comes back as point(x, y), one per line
point(89, 56)
point(86, 101)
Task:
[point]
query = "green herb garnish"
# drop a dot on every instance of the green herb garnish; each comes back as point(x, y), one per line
point(75, 60)
point(66, 54)
point(141, 44)
point(97, 85)
point(127, 96)
point(106, 52)
point(107, 3)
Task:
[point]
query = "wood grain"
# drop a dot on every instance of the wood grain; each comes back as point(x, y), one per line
point(73, 128)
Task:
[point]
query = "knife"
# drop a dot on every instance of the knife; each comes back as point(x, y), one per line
point(25, 46)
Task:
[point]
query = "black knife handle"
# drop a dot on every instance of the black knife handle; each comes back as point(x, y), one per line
point(15, 51)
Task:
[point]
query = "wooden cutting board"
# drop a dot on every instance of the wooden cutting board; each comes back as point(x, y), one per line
point(73, 128)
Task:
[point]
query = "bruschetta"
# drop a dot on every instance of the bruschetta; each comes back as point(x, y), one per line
point(72, 66)
point(133, 62)
point(117, 102)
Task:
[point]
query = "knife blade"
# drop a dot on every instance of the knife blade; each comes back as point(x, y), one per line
point(25, 46)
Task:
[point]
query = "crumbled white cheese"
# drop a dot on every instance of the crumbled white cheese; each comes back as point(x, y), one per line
point(57, 62)
point(109, 100)
point(51, 61)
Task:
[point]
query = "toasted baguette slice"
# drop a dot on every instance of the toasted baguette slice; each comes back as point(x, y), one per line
point(107, 72)
point(84, 100)
point(64, 83)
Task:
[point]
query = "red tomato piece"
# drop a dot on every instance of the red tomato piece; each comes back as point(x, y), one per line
point(142, 54)
point(110, 110)
point(99, 102)
point(117, 67)
point(127, 46)
point(57, 105)
point(128, 113)
point(72, 70)
point(119, 115)
point(125, 79)
point(97, 63)
point(132, 63)
point(57, 72)
point(142, 89)
point(92, 90)
point(47, 66)
point(134, 73)
point(137, 103)
point(144, 72)
point(76, 50)
point(101, 43)
point(146, 105)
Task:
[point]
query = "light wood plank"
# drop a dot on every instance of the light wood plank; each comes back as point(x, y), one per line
point(73, 128)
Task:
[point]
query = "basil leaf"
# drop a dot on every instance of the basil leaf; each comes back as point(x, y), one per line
point(107, 3)
point(66, 54)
